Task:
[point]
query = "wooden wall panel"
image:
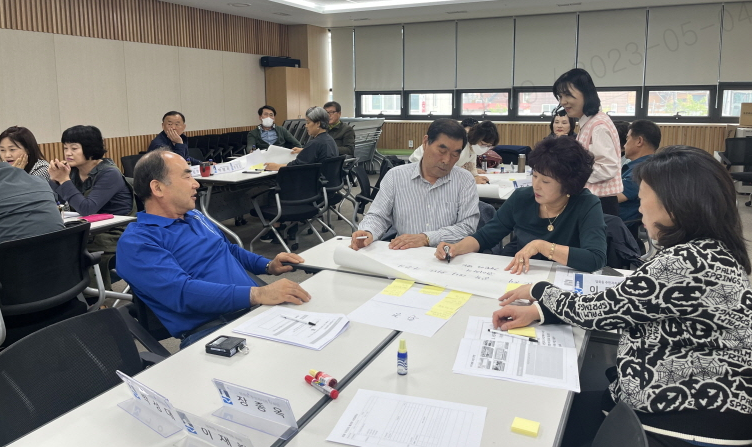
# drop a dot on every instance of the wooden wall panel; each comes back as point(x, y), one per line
point(709, 137)
point(146, 21)
point(122, 146)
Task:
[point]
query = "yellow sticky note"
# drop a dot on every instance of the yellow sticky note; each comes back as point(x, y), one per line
point(512, 286)
point(524, 331)
point(432, 290)
point(525, 427)
point(441, 312)
point(449, 305)
point(460, 296)
point(398, 287)
point(258, 167)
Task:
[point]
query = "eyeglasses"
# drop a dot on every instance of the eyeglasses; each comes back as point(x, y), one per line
point(331, 113)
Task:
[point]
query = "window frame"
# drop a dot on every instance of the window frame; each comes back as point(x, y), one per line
point(458, 104)
point(638, 101)
point(711, 117)
point(358, 101)
point(514, 104)
point(406, 104)
point(722, 87)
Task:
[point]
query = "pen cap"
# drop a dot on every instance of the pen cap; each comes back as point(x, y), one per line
point(313, 372)
point(402, 345)
point(308, 379)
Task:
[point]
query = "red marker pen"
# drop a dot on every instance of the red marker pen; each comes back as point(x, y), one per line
point(319, 385)
point(321, 375)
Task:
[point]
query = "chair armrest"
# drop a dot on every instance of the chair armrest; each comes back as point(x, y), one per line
point(364, 198)
point(92, 258)
point(150, 358)
point(274, 188)
point(141, 334)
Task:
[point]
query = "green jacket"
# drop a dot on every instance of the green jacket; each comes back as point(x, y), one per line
point(284, 139)
point(344, 136)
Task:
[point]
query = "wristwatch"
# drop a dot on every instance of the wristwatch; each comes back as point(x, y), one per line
point(266, 269)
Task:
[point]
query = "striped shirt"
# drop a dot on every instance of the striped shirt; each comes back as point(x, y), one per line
point(599, 136)
point(445, 211)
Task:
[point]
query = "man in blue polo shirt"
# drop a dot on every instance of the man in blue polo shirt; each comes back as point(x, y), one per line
point(643, 138)
point(182, 266)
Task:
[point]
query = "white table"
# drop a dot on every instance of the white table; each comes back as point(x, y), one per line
point(430, 375)
point(228, 200)
point(185, 378)
point(104, 225)
point(487, 191)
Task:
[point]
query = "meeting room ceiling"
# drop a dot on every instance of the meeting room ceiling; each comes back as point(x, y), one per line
point(335, 13)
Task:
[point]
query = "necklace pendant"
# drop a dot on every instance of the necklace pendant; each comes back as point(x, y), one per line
point(550, 227)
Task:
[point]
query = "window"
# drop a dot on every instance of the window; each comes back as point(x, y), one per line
point(380, 103)
point(536, 103)
point(733, 99)
point(618, 103)
point(681, 102)
point(436, 104)
point(484, 103)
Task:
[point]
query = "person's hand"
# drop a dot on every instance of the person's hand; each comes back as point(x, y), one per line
point(440, 254)
point(281, 291)
point(174, 136)
point(21, 161)
point(520, 293)
point(276, 267)
point(481, 171)
point(296, 150)
point(357, 244)
point(59, 171)
point(521, 261)
point(480, 180)
point(272, 166)
point(510, 317)
point(408, 241)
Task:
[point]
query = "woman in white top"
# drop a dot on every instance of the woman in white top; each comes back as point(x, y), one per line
point(577, 95)
point(19, 148)
point(480, 139)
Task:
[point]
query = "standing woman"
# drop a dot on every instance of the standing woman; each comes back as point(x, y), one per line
point(577, 95)
point(19, 148)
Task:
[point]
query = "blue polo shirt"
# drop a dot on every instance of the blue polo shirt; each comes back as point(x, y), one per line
point(186, 270)
point(629, 210)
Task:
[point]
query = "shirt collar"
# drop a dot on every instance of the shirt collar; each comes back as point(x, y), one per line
point(160, 221)
point(261, 128)
point(337, 124)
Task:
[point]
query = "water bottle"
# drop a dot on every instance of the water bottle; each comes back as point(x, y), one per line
point(484, 162)
point(521, 163)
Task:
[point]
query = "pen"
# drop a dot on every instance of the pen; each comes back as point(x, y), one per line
point(361, 237)
point(446, 252)
point(522, 337)
point(310, 323)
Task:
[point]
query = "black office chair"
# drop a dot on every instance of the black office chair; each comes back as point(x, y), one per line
point(214, 151)
point(298, 197)
point(511, 153)
point(332, 169)
point(201, 142)
point(196, 153)
point(365, 196)
point(42, 279)
point(237, 143)
point(621, 428)
point(129, 163)
point(224, 150)
point(60, 367)
point(622, 250)
point(738, 160)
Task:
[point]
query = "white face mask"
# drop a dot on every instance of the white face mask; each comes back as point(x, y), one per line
point(267, 122)
point(479, 150)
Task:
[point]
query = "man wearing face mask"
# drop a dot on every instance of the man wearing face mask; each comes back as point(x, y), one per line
point(267, 133)
point(480, 139)
point(172, 136)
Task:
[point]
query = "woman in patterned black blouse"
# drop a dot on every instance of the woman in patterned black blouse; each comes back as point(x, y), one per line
point(684, 361)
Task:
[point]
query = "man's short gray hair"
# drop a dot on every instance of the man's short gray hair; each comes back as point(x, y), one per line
point(318, 115)
point(150, 167)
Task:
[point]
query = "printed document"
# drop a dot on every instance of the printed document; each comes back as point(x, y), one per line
point(375, 418)
point(291, 326)
point(551, 361)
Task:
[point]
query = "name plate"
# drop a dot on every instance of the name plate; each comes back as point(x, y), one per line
point(196, 171)
point(205, 432)
point(255, 409)
point(589, 284)
point(150, 407)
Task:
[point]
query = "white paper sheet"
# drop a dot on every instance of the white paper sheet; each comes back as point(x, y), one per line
point(272, 326)
point(399, 318)
point(564, 278)
point(551, 362)
point(476, 273)
point(375, 418)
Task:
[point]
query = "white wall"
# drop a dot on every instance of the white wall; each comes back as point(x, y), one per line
point(50, 82)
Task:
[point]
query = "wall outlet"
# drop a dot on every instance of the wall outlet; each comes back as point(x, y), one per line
point(410, 144)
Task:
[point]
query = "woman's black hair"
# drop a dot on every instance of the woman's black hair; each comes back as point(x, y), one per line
point(699, 196)
point(572, 123)
point(23, 138)
point(90, 139)
point(581, 80)
point(564, 160)
point(485, 131)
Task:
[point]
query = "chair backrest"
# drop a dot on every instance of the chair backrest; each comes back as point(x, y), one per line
point(622, 249)
point(300, 184)
point(139, 310)
point(621, 428)
point(60, 367)
point(196, 153)
point(129, 162)
point(41, 272)
point(363, 181)
point(386, 165)
point(739, 151)
point(331, 170)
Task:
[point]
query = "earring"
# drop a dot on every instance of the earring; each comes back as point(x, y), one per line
point(568, 195)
